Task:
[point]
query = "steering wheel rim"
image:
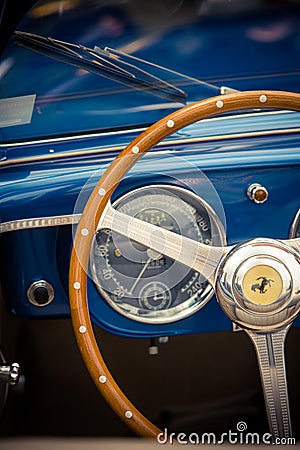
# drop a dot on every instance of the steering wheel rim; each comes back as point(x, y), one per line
point(95, 208)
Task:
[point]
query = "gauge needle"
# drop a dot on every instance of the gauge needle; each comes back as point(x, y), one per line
point(140, 275)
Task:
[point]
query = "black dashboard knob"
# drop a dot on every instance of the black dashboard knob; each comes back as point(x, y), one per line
point(40, 293)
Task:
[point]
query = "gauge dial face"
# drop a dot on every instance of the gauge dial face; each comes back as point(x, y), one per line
point(145, 285)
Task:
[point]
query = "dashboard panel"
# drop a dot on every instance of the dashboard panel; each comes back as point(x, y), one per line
point(219, 171)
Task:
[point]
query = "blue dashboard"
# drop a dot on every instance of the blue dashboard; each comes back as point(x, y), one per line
point(45, 178)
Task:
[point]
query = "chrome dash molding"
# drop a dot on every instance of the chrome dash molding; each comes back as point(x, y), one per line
point(161, 145)
point(39, 222)
point(57, 140)
point(52, 155)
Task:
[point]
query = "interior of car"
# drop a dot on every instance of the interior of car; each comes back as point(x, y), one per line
point(150, 223)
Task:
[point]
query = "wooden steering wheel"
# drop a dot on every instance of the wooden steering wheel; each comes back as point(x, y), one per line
point(99, 213)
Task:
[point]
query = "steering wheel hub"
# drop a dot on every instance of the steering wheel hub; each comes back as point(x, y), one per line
point(257, 284)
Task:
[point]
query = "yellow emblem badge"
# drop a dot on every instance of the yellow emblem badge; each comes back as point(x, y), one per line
point(262, 285)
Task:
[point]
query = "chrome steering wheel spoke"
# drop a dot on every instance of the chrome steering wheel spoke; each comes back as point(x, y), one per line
point(293, 243)
point(258, 287)
point(271, 360)
point(200, 257)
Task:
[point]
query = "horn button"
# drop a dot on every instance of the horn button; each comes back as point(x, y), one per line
point(258, 285)
point(262, 284)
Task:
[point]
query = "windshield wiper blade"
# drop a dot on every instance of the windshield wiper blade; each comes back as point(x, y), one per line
point(101, 62)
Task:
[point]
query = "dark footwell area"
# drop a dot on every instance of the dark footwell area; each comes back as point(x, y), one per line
point(201, 383)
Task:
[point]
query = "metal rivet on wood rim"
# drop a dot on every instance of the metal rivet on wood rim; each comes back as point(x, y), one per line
point(263, 98)
point(102, 191)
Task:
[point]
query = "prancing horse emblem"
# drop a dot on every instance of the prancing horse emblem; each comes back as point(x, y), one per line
point(262, 286)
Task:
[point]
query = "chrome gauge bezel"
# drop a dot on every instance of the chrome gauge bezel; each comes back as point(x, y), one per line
point(189, 306)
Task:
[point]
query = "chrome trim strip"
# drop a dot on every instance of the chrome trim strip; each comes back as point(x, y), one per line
point(72, 138)
point(53, 156)
point(39, 222)
point(131, 130)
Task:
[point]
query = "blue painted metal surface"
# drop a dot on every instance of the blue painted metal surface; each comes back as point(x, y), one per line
point(231, 164)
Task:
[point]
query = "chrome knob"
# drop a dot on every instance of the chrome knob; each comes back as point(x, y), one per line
point(10, 374)
point(40, 293)
point(257, 193)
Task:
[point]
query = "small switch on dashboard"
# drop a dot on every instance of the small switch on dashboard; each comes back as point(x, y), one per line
point(257, 193)
point(40, 293)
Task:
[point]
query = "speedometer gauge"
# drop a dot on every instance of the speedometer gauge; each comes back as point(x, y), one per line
point(145, 285)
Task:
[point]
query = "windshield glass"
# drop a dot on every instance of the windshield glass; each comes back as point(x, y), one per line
point(241, 44)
